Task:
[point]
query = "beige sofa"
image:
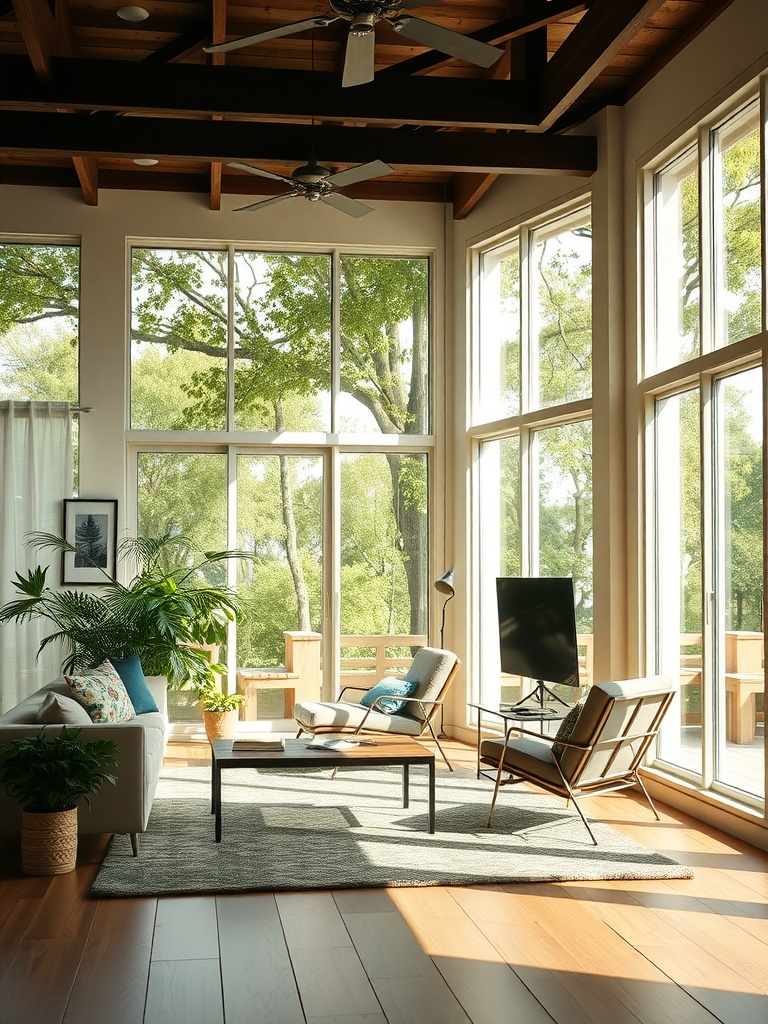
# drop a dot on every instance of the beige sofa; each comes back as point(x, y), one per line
point(123, 807)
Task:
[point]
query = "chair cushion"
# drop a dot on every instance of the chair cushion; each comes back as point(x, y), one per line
point(130, 671)
point(59, 710)
point(391, 687)
point(101, 692)
point(316, 715)
point(526, 756)
point(429, 669)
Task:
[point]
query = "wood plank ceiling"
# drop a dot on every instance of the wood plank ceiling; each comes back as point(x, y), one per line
point(84, 93)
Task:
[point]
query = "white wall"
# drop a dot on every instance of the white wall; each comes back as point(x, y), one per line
point(104, 231)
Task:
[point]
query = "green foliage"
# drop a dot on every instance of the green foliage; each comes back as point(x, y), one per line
point(211, 698)
point(176, 601)
point(53, 774)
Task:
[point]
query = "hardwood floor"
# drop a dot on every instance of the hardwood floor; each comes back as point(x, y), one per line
point(680, 951)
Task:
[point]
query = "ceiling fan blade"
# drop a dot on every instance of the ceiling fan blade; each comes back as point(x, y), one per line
point(272, 33)
point(267, 202)
point(347, 205)
point(358, 61)
point(261, 173)
point(446, 41)
point(410, 4)
point(373, 169)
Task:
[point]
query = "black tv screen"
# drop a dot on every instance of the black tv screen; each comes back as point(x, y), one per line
point(537, 628)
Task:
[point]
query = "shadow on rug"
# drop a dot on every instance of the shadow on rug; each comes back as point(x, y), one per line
point(297, 830)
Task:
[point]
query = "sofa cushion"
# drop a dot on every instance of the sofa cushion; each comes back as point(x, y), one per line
point(59, 710)
point(130, 671)
point(391, 687)
point(102, 693)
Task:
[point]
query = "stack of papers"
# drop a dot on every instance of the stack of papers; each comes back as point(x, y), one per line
point(332, 744)
point(258, 743)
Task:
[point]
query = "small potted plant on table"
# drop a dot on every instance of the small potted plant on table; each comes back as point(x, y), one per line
point(220, 711)
point(49, 777)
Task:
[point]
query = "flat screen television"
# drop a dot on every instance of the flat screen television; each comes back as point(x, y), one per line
point(537, 628)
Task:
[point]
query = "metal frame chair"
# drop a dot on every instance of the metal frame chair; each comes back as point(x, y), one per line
point(347, 717)
point(610, 739)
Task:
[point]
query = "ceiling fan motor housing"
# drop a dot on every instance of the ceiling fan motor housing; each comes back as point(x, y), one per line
point(373, 9)
point(311, 173)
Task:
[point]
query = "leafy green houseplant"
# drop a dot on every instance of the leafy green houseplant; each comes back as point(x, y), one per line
point(219, 711)
point(49, 777)
point(175, 603)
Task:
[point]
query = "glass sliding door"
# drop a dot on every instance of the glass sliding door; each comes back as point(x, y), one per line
point(738, 593)
point(678, 575)
point(383, 563)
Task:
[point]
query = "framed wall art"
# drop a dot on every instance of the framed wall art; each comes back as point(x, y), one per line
point(90, 526)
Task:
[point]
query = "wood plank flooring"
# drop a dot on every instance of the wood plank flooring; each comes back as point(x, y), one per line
point(633, 952)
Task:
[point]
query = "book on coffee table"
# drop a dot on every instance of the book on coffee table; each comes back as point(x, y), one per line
point(258, 743)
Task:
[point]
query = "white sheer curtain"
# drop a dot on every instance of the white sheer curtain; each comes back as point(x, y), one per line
point(35, 475)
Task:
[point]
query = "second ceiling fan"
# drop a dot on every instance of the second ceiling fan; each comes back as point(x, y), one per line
point(363, 16)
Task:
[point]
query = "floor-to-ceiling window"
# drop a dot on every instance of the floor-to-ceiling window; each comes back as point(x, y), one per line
point(280, 403)
point(531, 425)
point(703, 387)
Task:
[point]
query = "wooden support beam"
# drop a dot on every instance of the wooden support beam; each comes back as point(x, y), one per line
point(186, 139)
point(594, 42)
point(87, 168)
point(38, 29)
point(169, 89)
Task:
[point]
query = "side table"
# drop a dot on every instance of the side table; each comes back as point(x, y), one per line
point(530, 714)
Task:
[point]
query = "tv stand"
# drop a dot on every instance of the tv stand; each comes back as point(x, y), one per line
point(542, 693)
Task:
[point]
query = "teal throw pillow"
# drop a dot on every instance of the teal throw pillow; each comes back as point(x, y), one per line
point(130, 671)
point(392, 687)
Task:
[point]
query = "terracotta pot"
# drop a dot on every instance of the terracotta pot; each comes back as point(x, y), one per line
point(220, 725)
point(48, 842)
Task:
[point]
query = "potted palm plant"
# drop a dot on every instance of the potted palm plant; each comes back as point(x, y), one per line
point(173, 610)
point(49, 777)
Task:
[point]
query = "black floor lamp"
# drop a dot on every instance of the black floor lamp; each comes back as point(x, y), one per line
point(444, 586)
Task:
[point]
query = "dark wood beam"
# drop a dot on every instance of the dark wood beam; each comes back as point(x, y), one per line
point(185, 45)
point(594, 42)
point(38, 30)
point(541, 14)
point(186, 139)
point(468, 190)
point(87, 168)
point(258, 92)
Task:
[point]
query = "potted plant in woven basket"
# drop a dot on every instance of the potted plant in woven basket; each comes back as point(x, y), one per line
point(220, 711)
point(49, 777)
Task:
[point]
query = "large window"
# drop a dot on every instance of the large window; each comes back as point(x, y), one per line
point(533, 383)
point(705, 393)
point(301, 384)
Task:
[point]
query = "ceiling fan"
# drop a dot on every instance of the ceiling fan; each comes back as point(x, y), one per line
point(363, 16)
point(317, 183)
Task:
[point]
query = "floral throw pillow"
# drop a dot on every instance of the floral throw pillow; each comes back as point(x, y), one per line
point(102, 693)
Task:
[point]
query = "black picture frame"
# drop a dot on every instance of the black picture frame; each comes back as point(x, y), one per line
point(90, 524)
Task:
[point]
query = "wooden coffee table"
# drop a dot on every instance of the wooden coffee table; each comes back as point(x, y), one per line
point(371, 753)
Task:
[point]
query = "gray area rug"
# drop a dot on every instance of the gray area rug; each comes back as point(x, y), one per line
point(297, 829)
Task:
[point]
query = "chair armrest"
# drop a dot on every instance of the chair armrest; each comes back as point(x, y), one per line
point(362, 689)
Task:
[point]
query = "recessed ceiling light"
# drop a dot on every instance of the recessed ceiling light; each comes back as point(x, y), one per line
point(146, 161)
point(132, 13)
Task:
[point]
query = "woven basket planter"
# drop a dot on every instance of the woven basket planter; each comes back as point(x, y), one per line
point(220, 725)
point(48, 842)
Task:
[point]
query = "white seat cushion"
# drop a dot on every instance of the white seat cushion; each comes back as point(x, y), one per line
point(315, 715)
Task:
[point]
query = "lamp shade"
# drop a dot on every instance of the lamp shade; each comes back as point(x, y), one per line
point(445, 584)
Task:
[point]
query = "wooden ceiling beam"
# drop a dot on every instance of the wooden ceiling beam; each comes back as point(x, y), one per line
point(258, 92)
point(540, 14)
point(38, 29)
point(424, 150)
point(87, 169)
point(184, 45)
point(600, 35)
